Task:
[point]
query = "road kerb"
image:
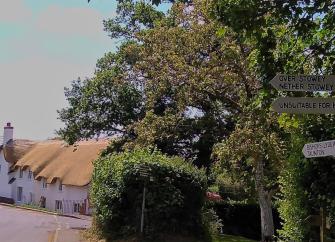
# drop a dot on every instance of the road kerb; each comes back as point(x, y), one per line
point(38, 210)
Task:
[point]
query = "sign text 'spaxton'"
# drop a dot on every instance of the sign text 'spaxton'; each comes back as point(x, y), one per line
point(319, 149)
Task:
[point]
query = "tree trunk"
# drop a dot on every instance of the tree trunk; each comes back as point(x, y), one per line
point(264, 199)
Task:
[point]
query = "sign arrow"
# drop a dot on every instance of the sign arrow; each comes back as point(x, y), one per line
point(307, 105)
point(319, 149)
point(304, 83)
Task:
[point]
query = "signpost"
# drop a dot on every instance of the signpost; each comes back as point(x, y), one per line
point(144, 173)
point(319, 221)
point(304, 83)
point(319, 149)
point(307, 105)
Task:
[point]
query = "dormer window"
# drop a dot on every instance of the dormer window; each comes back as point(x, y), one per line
point(60, 187)
point(20, 173)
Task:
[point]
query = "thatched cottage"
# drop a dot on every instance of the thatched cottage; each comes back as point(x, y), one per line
point(48, 174)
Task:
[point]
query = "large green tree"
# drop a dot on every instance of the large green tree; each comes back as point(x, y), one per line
point(195, 81)
point(174, 84)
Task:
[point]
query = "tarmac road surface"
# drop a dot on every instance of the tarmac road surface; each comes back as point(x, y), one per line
point(20, 225)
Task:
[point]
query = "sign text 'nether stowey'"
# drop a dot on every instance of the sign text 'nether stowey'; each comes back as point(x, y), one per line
point(304, 83)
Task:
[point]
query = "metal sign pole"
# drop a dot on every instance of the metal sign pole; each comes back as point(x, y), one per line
point(144, 174)
point(143, 207)
point(323, 225)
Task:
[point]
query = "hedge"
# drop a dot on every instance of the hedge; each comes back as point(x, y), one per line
point(174, 199)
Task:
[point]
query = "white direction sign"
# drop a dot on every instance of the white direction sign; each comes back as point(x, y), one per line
point(307, 83)
point(308, 105)
point(319, 149)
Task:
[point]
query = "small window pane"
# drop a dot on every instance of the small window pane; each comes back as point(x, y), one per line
point(19, 194)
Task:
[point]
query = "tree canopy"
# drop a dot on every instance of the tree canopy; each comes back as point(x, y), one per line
point(196, 79)
point(177, 86)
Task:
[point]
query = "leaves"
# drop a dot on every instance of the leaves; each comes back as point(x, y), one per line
point(174, 197)
point(173, 83)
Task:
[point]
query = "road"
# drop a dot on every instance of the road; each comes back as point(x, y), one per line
point(18, 225)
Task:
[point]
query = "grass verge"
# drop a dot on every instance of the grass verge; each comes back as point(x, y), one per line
point(90, 236)
point(232, 238)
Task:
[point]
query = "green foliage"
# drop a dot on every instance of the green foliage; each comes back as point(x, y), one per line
point(255, 138)
point(290, 37)
point(90, 109)
point(212, 223)
point(287, 36)
point(234, 190)
point(132, 17)
point(306, 185)
point(183, 104)
point(174, 199)
point(293, 203)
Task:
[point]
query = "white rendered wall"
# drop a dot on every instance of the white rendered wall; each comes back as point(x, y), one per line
point(5, 188)
point(68, 195)
point(27, 187)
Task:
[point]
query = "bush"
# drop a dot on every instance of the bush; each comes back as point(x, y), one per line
point(174, 198)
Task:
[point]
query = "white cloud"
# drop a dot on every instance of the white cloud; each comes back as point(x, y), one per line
point(14, 11)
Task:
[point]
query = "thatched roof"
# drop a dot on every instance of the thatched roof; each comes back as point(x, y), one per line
point(16, 149)
point(53, 159)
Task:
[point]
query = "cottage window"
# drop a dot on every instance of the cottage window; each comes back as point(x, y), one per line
point(58, 205)
point(0, 168)
point(19, 194)
point(42, 202)
point(76, 207)
point(20, 173)
point(60, 187)
point(31, 197)
point(44, 183)
point(30, 175)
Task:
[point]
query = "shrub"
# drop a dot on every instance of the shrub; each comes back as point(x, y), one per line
point(211, 222)
point(174, 198)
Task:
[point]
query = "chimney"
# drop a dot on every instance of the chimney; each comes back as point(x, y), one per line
point(7, 133)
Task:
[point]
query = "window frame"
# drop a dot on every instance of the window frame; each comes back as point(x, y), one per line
point(44, 183)
point(58, 205)
point(19, 194)
point(30, 175)
point(76, 207)
point(20, 173)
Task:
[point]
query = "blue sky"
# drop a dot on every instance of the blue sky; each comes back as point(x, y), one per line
point(44, 45)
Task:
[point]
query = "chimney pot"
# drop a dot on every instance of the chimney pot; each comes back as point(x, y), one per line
point(8, 133)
